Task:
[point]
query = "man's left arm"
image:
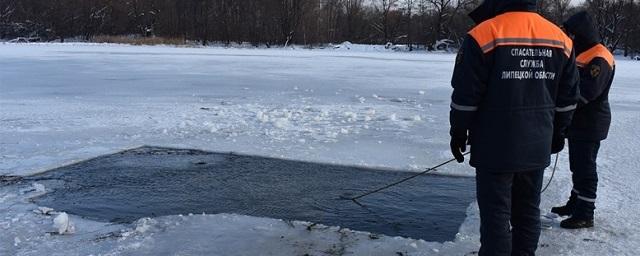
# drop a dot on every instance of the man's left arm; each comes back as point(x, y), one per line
point(594, 79)
point(469, 83)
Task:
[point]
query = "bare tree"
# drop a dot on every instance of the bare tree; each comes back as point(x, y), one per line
point(353, 14)
point(384, 8)
point(291, 12)
point(444, 12)
point(285, 22)
point(7, 8)
point(408, 8)
point(561, 7)
point(331, 10)
point(611, 19)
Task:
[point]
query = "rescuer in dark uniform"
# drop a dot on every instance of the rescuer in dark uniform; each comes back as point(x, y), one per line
point(515, 88)
point(591, 120)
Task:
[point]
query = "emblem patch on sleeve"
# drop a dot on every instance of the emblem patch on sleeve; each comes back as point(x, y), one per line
point(595, 71)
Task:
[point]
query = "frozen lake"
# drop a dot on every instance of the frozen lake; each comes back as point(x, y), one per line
point(61, 103)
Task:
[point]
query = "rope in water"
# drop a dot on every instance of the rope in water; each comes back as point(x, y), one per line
point(402, 180)
point(433, 169)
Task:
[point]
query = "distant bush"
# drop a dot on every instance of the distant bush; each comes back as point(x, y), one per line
point(138, 40)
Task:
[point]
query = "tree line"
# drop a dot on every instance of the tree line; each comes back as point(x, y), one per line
point(285, 22)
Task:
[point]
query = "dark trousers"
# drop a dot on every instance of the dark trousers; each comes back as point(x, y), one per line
point(509, 211)
point(582, 161)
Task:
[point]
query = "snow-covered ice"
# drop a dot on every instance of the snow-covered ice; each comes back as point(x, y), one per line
point(61, 103)
point(72, 102)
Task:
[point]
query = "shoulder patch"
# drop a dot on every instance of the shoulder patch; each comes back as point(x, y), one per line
point(595, 71)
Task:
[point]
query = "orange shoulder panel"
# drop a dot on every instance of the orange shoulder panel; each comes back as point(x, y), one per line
point(597, 51)
point(520, 29)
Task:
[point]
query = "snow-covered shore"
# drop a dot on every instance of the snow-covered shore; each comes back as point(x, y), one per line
point(61, 103)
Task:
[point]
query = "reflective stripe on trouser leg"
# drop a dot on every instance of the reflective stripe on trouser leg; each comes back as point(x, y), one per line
point(567, 108)
point(463, 107)
point(586, 199)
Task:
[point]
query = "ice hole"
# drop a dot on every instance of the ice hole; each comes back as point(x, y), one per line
point(152, 181)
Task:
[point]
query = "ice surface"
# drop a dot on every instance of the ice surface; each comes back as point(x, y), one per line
point(61, 103)
point(64, 103)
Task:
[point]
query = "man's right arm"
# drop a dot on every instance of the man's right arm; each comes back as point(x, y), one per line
point(470, 77)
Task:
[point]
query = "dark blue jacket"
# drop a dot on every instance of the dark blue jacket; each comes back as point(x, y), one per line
point(596, 64)
point(515, 84)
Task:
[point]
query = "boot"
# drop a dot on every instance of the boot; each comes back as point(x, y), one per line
point(567, 209)
point(563, 211)
point(576, 223)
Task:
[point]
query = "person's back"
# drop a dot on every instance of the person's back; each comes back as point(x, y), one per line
point(515, 89)
point(525, 59)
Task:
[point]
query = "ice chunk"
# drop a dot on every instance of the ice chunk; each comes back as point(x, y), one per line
point(63, 224)
point(262, 117)
point(281, 123)
point(143, 225)
point(351, 116)
point(43, 210)
point(39, 187)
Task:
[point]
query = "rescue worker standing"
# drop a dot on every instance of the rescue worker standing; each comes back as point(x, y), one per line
point(591, 120)
point(515, 88)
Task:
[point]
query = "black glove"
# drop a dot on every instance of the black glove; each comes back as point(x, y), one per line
point(458, 143)
point(557, 144)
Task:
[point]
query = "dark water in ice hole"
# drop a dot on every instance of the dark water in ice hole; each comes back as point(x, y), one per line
point(151, 181)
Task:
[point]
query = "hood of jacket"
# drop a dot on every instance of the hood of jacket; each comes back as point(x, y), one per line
point(583, 28)
point(490, 8)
